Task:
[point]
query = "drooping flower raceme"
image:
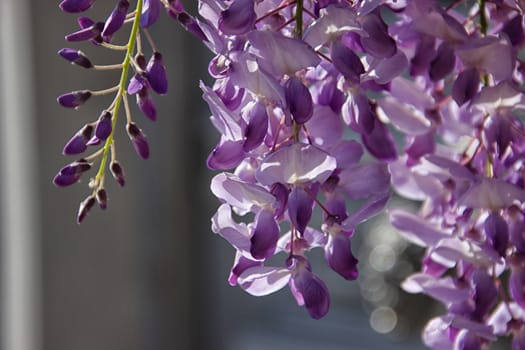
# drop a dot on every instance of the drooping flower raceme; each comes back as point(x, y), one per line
point(307, 99)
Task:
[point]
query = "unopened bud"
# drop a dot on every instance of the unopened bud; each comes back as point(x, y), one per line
point(85, 207)
point(117, 172)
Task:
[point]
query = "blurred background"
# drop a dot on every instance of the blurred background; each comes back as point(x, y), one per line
point(148, 273)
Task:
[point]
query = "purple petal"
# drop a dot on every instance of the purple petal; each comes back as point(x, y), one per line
point(137, 83)
point(265, 235)
point(300, 206)
point(383, 71)
point(240, 265)
point(421, 145)
point(445, 289)
point(380, 142)
point(74, 6)
point(347, 153)
point(443, 63)
point(497, 232)
point(485, 293)
point(466, 86)
point(377, 42)
point(404, 117)
point(492, 194)
point(416, 229)
point(156, 74)
point(372, 207)
point(281, 55)
point(311, 292)
point(150, 12)
point(325, 128)
point(240, 194)
point(298, 100)
point(71, 173)
point(338, 254)
point(89, 32)
point(226, 155)
point(280, 193)
point(263, 280)
point(138, 139)
point(425, 52)
point(295, 164)
point(239, 18)
point(235, 234)
point(257, 127)
point(74, 99)
point(514, 30)
point(115, 19)
point(358, 113)
point(365, 180)
point(346, 62)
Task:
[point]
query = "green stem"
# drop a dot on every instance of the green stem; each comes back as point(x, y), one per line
point(299, 19)
point(483, 22)
point(121, 91)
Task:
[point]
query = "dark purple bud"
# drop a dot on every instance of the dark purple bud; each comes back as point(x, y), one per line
point(239, 18)
point(146, 104)
point(150, 13)
point(115, 19)
point(104, 127)
point(74, 99)
point(380, 142)
point(265, 235)
point(117, 172)
point(71, 173)
point(299, 100)
point(102, 198)
point(497, 232)
point(84, 208)
point(89, 31)
point(257, 127)
point(338, 254)
point(346, 62)
point(226, 155)
point(377, 43)
point(280, 193)
point(76, 57)
point(514, 30)
point(78, 143)
point(190, 24)
point(465, 86)
point(137, 137)
point(310, 291)
point(137, 83)
point(75, 6)
point(299, 208)
point(443, 63)
point(517, 285)
point(156, 74)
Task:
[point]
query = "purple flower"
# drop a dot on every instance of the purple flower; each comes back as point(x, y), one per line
point(146, 104)
point(298, 100)
point(347, 62)
point(74, 6)
point(338, 254)
point(265, 235)
point(76, 57)
point(89, 30)
point(104, 127)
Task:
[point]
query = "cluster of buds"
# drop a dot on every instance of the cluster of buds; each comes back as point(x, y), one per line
point(303, 88)
point(149, 75)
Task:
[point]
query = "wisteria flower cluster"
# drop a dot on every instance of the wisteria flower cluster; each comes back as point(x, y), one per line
point(323, 105)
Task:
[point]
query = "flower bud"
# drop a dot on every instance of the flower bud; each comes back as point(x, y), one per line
point(104, 127)
point(115, 19)
point(89, 30)
point(347, 62)
point(74, 6)
point(71, 173)
point(84, 208)
point(78, 143)
point(156, 74)
point(117, 172)
point(138, 139)
point(150, 13)
point(146, 104)
point(74, 99)
point(75, 57)
point(102, 198)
